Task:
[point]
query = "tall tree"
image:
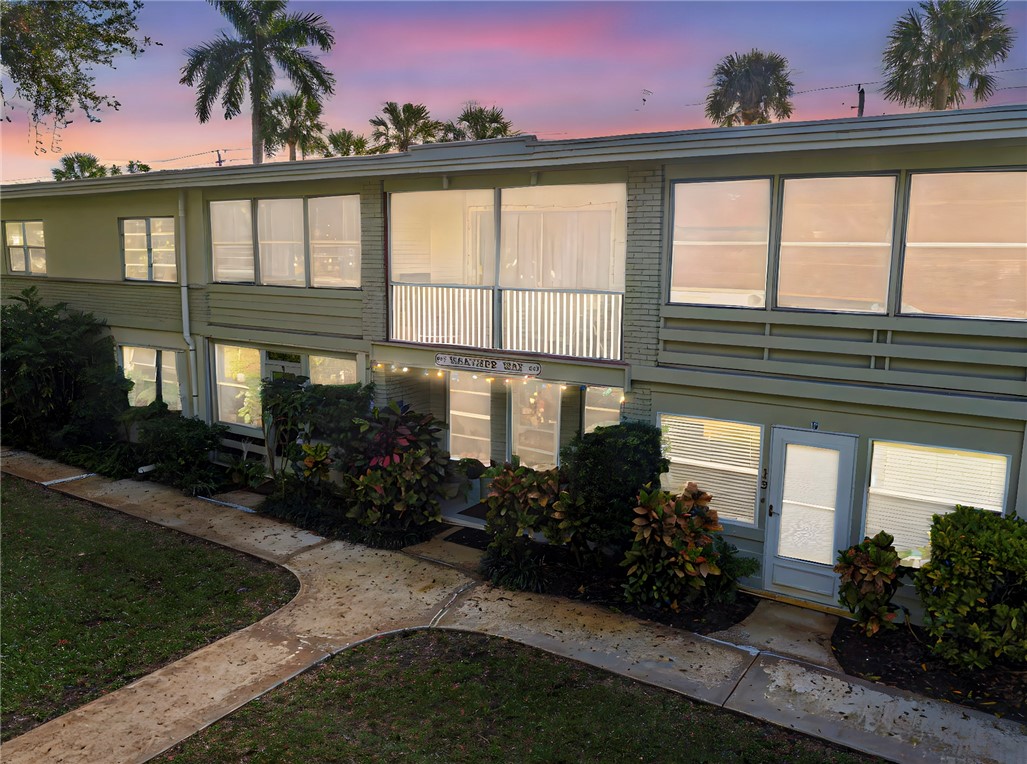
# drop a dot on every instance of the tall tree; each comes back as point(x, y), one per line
point(49, 50)
point(748, 88)
point(934, 53)
point(79, 165)
point(480, 123)
point(294, 121)
point(397, 128)
point(265, 36)
point(344, 143)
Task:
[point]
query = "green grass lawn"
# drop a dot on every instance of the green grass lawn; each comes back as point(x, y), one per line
point(93, 599)
point(455, 697)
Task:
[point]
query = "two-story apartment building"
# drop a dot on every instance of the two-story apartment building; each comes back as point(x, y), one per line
point(827, 319)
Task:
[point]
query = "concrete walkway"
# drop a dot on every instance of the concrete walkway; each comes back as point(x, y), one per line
point(350, 593)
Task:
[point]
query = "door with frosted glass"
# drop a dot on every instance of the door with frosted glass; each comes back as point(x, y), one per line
point(809, 511)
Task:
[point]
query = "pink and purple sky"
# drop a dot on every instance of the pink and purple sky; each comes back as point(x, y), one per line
point(558, 69)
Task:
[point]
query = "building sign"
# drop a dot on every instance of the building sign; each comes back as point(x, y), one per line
point(487, 365)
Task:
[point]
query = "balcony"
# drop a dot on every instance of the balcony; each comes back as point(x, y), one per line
point(574, 323)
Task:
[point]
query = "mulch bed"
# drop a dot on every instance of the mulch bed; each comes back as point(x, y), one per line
point(901, 658)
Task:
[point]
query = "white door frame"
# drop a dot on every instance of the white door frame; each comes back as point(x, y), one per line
point(800, 578)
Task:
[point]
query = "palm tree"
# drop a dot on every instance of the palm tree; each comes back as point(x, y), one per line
point(294, 121)
point(78, 166)
point(135, 166)
point(933, 54)
point(480, 123)
point(748, 87)
point(266, 36)
point(397, 128)
point(344, 143)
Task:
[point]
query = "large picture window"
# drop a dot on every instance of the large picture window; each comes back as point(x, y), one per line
point(470, 417)
point(722, 457)
point(148, 249)
point(299, 242)
point(966, 245)
point(237, 375)
point(909, 484)
point(26, 247)
point(535, 423)
point(836, 243)
point(721, 236)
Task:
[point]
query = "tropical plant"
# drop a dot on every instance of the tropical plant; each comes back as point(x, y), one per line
point(946, 46)
point(134, 166)
point(78, 166)
point(606, 469)
point(870, 575)
point(481, 123)
point(294, 121)
point(61, 385)
point(750, 87)
point(49, 51)
point(974, 589)
point(673, 552)
point(265, 36)
point(344, 143)
point(182, 450)
point(397, 128)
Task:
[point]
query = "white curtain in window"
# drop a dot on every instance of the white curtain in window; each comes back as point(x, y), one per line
point(231, 237)
point(280, 242)
point(442, 237)
point(334, 230)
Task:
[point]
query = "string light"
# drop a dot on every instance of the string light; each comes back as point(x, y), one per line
point(406, 369)
point(490, 380)
point(439, 373)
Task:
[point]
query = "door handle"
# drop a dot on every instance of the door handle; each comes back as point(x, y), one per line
point(771, 512)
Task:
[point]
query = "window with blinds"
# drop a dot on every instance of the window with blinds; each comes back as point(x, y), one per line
point(909, 484)
point(722, 457)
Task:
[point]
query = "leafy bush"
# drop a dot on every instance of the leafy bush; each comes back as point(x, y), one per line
point(733, 566)
point(396, 468)
point(521, 504)
point(61, 385)
point(118, 460)
point(606, 469)
point(673, 552)
point(180, 450)
point(870, 575)
point(974, 589)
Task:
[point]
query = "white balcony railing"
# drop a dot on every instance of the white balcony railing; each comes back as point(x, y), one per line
point(576, 324)
point(442, 315)
point(551, 322)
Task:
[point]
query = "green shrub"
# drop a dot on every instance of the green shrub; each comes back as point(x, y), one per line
point(606, 469)
point(673, 552)
point(180, 450)
point(61, 385)
point(974, 589)
point(733, 566)
point(117, 460)
point(870, 575)
point(395, 469)
point(521, 505)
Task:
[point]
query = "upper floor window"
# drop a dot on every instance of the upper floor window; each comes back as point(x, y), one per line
point(148, 247)
point(555, 286)
point(26, 247)
point(721, 237)
point(299, 242)
point(154, 375)
point(966, 245)
point(836, 243)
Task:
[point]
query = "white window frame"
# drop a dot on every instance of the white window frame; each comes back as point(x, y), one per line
point(770, 261)
point(255, 242)
point(760, 467)
point(27, 270)
point(149, 248)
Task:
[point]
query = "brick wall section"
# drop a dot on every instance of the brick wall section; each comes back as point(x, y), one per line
point(372, 267)
point(638, 405)
point(642, 293)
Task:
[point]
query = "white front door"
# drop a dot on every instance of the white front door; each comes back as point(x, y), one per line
point(809, 512)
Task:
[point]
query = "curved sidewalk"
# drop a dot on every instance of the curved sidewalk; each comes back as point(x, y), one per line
point(350, 593)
